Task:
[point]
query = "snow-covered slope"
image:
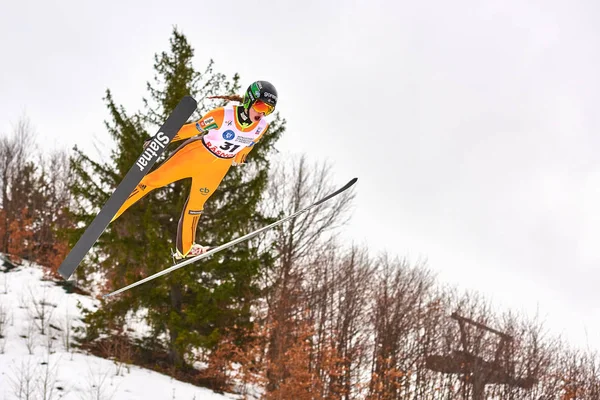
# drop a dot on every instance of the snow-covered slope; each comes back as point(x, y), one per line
point(39, 364)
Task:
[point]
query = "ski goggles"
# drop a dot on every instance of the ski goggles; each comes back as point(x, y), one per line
point(262, 107)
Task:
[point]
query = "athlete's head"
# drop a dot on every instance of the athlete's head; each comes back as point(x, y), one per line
point(260, 99)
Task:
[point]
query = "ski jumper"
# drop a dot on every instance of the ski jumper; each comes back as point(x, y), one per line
point(213, 143)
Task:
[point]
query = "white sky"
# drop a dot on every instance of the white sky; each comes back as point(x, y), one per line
point(471, 125)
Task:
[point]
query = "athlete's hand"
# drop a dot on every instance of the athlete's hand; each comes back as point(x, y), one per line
point(242, 160)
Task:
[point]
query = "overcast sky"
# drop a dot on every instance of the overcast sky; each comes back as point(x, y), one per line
point(471, 125)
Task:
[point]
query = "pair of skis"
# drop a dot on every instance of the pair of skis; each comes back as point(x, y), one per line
point(156, 147)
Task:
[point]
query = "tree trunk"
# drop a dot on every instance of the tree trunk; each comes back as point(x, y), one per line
point(175, 353)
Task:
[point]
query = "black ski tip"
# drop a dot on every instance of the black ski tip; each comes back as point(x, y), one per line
point(63, 275)
point(340, 190)
point(191, 102)
point(66, 269)
point(347, 185)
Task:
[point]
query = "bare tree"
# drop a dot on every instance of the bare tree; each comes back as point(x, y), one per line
point(41, 309)
point(49, 208)
point(30, 337)
point(5, 284)
point(15, 153)
point(293, 186)
point(24, 380)
point(573, 375)
point(46, 382)
point(34, 198)
point(3, 325)
point(66, 329)
point(402, 293)
point(338, 290)
point(98, 384)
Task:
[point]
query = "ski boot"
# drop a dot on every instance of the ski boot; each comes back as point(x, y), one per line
point(196, 250)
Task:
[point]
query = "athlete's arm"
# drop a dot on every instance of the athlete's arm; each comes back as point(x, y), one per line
point(211, 120)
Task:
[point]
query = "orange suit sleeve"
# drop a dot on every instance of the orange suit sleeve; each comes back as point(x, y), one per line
point(211, 120)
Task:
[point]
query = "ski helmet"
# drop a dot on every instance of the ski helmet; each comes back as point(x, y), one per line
point(263, 92)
